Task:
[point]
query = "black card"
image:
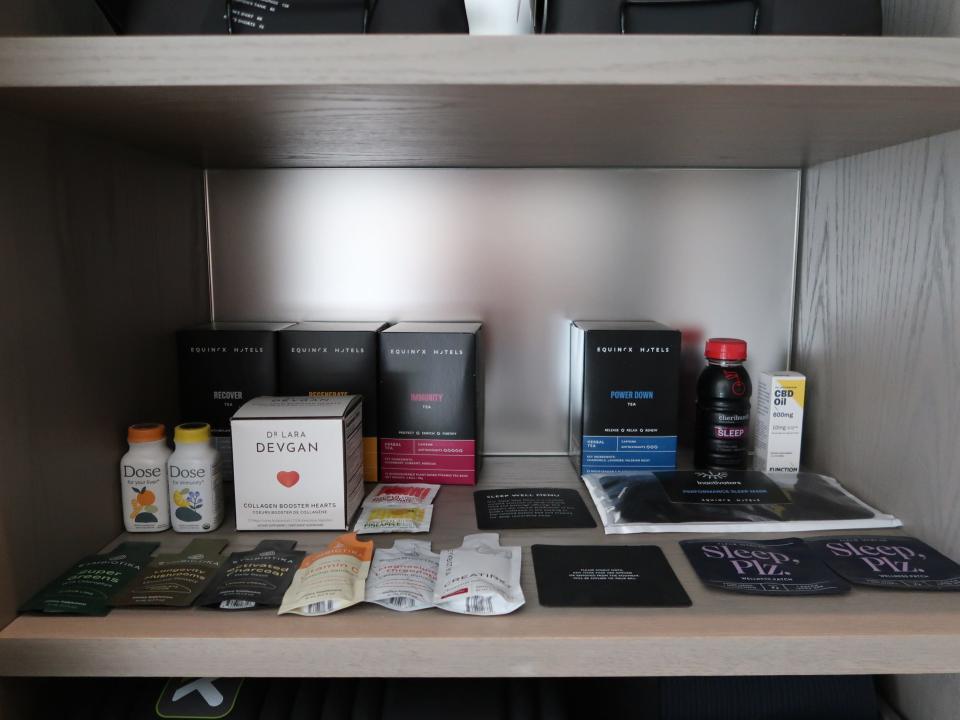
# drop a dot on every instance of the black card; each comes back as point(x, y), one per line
point(721, 487)
point(531, 508)
point(762, 567)
point(900, 563)
point(602, 576)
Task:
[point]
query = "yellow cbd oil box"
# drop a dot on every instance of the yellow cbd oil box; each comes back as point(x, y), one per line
point(298, 462)
point(779, 426)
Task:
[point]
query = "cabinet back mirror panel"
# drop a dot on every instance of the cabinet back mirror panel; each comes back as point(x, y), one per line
point(711, 252)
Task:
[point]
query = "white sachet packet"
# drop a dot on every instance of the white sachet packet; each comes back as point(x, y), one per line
point(414, 519)
point(330, 580)
point(403, 577)
point(401, 495)
point(480, 577)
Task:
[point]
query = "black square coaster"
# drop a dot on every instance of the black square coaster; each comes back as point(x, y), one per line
point(606, 576)
point(526, 508)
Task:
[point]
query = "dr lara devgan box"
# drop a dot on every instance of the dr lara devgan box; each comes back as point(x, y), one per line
point(624, 392)
point(298, 462)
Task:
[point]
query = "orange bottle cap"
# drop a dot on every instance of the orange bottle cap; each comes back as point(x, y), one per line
point(146, 432)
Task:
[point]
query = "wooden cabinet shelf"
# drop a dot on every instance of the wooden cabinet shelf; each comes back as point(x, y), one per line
point(491, 102)
point(867, 631)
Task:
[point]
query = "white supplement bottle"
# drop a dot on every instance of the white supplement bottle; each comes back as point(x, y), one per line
point(196, 490)
point(143, 479)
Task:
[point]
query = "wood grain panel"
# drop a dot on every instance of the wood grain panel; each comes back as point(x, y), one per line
point(547, 101)
point(878, 333)
point(103, 256)
point(721, 634)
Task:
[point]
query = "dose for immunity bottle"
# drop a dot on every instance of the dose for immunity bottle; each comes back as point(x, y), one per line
point(143, 479)
point(723, 407)
point(196, 490)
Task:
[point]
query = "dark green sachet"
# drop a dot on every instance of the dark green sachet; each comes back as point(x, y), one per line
point(86, 588)
point(174, 580)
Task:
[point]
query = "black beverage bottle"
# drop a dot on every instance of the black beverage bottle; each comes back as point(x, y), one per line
point(723, 407)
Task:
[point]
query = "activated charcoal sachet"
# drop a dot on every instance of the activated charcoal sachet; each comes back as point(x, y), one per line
point(256, 578)
point(86, 588)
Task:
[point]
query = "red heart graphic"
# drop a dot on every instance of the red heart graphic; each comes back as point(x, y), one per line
point(288, 478)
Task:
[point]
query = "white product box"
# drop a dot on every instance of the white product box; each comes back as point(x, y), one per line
point(298, 462)
point(779, 426)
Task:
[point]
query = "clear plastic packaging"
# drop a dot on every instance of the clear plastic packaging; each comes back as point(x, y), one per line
point(394, 520)
point(401, 495)
point(638, 503)
point(480, 577)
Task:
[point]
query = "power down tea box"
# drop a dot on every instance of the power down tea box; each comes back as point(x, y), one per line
point(431, 403)
point(322, 359)
point(298, 462)
point(779, 424)
point(624, 393)
point(222, 365)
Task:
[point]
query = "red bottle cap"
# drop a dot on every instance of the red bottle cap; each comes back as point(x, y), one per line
point(726, 349)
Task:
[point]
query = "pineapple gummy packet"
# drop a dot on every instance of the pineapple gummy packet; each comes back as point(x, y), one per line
point(86, 588)
point(394, 520)
point(403, 577)
point(256, 578)
point(401, 495)
point(174, 580)
point(479, 578)
point(330, 580)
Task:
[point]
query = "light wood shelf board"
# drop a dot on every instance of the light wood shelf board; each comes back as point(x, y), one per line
point(492, 102)
point(868, 631)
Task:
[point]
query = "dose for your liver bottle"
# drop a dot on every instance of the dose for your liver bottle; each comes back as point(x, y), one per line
point(196, 490)
point(143, 479)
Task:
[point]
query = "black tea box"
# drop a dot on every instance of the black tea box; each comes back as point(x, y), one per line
point(431, 403)
point(624, 394)
point(222, 365)
point(323, 359)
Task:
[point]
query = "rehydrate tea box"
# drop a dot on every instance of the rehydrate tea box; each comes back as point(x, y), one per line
point(779, 426)
point(298, 462)
point(431, 403)
point(222, 365)
point(323, 359)
point(624, 394)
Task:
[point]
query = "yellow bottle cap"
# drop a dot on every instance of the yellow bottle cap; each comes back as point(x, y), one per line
point(193, 432)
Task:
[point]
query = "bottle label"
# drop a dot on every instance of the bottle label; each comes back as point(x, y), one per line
point(144, 490)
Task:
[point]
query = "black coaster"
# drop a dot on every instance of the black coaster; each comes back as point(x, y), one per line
point(720, 487)
point(602, 576)
point(762, 567)
point(898, 563)
point(531, 508)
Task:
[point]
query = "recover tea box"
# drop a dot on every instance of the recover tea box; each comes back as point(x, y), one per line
point(222, 365)
point(779, 426)
point(298, 462)
point(431, 403)
point(330, 359)
point(624, 394)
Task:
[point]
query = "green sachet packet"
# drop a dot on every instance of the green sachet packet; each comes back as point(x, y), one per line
point(174, 580)
point(86, 588)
